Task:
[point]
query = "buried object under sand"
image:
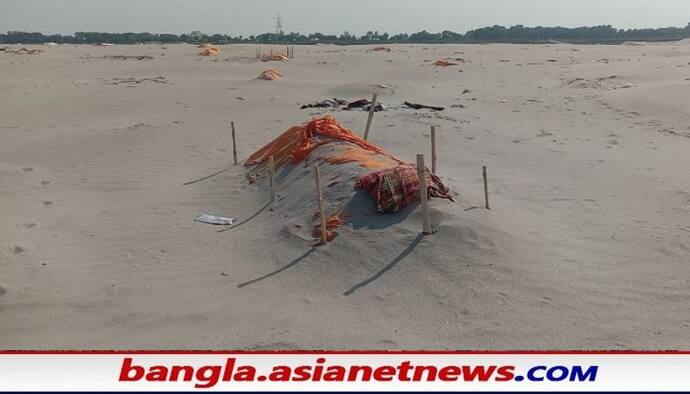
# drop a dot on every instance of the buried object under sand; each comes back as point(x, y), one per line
point(270, 75)
point(276, 57)
point(343, 157)
point(209, 51)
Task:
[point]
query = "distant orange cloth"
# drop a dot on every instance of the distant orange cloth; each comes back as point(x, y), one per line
point(444, 63)
point(270, 75)
point(209, 50)
point(276, 57)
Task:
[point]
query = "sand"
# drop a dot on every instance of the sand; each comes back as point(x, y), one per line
point(587, 245)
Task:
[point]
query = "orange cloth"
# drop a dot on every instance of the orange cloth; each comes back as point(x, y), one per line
point(332, 223)
point(365, 158)
point(276, 57)
point(208, 51)
point(444, 63)
point(299, 141)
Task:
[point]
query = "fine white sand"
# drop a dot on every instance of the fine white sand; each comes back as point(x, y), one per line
point(587, 245)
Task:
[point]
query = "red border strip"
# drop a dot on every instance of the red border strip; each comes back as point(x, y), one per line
point(355, 352)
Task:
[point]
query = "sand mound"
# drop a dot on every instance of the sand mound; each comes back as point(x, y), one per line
point(209, 51)
point(276, 57)
point(270, 75)
point(342, 156)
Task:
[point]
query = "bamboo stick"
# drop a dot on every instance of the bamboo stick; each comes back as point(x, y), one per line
point(372, 109)
point(322, 215)
point(433, 149)
point(486, 188)
point(234, 143)
point(421, 173)
point(272, 177)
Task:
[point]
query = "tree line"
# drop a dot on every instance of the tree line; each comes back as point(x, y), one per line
point(495, 34)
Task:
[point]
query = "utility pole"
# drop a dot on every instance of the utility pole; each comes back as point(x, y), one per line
point(279, 25)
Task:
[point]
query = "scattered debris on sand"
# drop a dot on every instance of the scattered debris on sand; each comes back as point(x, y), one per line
point(117, 57)
point(132, 81)
point(240, 59)
point(215, 220)
point(337, 103)
point(328, 103)
point(365, 104)
point(444, 62)
point(422, 106)
point(128, 57)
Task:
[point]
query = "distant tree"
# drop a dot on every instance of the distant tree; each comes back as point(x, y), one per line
point(516, 33)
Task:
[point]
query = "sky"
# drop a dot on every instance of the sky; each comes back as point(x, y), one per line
point(247, 17)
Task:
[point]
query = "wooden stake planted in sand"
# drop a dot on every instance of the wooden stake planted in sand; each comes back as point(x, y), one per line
point(272, 177)
point(433, 149)
point(234, 143)
point(322, 215)
point(421, 174)
point(372, 109)
point(486, 188)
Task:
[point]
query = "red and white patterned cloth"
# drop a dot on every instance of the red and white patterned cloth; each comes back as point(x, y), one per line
point(395, 188)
